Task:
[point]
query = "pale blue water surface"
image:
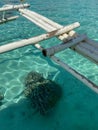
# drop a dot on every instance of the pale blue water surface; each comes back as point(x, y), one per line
point(78, 107)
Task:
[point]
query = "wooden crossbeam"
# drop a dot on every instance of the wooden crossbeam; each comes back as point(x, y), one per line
point(60, 47)
point(87, 50)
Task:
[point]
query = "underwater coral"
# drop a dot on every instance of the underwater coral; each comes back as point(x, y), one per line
point(43, 93)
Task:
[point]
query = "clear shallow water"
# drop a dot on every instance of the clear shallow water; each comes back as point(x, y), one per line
point(74, 109)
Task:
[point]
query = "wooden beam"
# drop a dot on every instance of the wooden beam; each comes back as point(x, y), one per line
point(13, 7)
point(92, 42)
point(82, 78)
point(34, 40)
point(60, 47)
point(87, 50)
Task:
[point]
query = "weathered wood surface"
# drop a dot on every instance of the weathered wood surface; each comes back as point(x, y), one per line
point(13, 7)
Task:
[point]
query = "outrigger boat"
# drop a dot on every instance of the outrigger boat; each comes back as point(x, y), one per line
point(70, 39)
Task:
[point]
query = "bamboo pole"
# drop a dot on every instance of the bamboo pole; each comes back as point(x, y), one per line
point(60, 47)
point(45, 23)
point(13, 7)
point(46, 20)
point(37, 23)
point(50, 22)
point(8, 19)
point(34, 40)
point(36, 20)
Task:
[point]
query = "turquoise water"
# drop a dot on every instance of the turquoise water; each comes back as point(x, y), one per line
point(78, 107)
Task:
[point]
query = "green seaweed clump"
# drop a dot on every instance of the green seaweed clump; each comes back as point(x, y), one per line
point(43, 93)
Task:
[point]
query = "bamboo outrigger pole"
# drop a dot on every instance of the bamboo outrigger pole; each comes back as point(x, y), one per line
point(34, 40)
point(46, 23)
point(13, 7)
